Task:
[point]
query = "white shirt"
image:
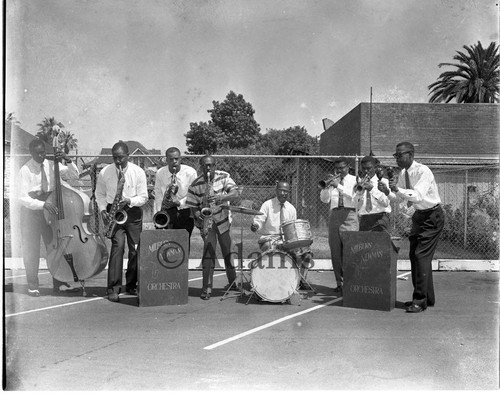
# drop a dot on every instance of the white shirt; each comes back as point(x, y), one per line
point(135, 186)
point(380, 202)
point(269, 223)
point(424, 191)
point(184, 177)
point(331, 194)
point(31, 180)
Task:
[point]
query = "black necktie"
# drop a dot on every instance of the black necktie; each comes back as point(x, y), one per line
point(408, 186)
point(341, 195)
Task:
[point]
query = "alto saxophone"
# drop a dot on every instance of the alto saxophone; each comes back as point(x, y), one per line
point(207, 210)
point(161, 219)
point(116, 214)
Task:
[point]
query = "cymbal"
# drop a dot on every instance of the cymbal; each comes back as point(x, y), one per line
point(244, 210)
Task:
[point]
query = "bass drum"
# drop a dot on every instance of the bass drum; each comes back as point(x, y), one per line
point(274, 276)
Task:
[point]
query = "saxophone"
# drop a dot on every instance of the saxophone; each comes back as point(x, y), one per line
point(116, 214)
point(207, 210)
point(162, 218)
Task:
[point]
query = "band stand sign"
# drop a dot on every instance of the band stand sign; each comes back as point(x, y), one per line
point(163, 267)
point(370, 269)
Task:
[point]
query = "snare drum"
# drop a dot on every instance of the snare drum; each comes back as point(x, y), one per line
point(275, 276)
point(296, 234)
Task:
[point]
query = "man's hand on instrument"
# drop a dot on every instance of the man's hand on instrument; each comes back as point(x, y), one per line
point(254, 227)
point(105, 216)
point(216, 199)
point(383, 187)
point(125, 201)
point(393, 185)
point(50, 207)
point(58, 155)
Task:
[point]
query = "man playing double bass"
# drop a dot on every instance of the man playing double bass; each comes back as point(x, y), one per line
point(37, 181)
point(130, 194)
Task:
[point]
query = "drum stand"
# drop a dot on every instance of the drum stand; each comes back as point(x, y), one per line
point(240, 275)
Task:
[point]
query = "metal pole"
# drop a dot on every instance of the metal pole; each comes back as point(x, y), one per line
point(371, 152)
point(466, 207)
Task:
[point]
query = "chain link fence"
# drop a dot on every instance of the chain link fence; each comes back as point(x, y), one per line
point(469, 189)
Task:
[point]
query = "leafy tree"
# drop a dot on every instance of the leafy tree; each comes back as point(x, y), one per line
point(232, 125)
point(475, 79)
point(287, 141)
point(47, 128)
point(204, 138)
point(68, 141)
point(11, 118)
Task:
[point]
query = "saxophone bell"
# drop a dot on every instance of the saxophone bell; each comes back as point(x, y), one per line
point(206, 212)
point(121, 216)
point(161, 219)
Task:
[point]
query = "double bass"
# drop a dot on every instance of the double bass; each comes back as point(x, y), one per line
point(74, 253)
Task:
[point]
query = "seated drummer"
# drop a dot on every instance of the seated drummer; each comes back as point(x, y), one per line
point(277, 211)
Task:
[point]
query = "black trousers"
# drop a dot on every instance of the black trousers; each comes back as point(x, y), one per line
point(33, 228)
point(209, 257)
point(424, 237)
point(131, 232)
point(180, 219)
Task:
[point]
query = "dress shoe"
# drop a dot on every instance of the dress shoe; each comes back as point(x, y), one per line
point(33, 293)
point(66, 288)
point(114, 297)
point(205, 295)
point(131, 292)
point(414, 308)
point(409, 303)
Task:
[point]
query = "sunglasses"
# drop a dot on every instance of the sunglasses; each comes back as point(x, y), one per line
point(400, 154)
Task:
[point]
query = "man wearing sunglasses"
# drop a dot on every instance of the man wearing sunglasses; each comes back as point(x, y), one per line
point(416, 186)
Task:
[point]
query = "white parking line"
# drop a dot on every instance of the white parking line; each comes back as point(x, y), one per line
point(78, 302)
point(253, 330)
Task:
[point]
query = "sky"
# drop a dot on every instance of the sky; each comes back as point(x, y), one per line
point(143, 70)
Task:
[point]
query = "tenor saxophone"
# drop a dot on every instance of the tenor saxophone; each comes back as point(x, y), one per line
point(161, 219)
point(207, 210)
point(116, 214)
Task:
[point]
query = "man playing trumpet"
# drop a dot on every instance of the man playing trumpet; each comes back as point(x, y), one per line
point(338, 191)
point(171, 189)
point(373, 205)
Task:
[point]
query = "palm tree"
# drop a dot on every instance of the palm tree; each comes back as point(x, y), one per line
point(68, 141)
point(48, 128)
point(474, 81)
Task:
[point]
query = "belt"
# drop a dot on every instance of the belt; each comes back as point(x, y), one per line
point(429, 209)
point(349, 208)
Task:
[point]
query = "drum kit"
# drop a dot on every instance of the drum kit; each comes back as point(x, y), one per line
point(275, 275)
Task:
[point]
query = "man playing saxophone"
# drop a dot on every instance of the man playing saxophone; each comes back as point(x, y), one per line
point(372, 204)
point(171, 188)
point(115, 195)
point(208, 193)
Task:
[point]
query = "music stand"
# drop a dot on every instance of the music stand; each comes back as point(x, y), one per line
point(241, 274)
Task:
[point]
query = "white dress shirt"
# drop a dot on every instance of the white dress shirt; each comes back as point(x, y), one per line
point(184, 177)
point(380, 202)
point(31, 180)
point(331, 194)
point(424, 191)
point(135, 186)
point(269, 223)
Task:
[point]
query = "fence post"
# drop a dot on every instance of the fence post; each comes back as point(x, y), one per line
point(297, 181)
point(466, 206)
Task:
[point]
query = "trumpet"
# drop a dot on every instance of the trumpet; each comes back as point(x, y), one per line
point(360, 186)
point(161, 219)
point(328, 181)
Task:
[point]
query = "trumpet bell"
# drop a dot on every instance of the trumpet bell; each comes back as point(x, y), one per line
point(206, 212)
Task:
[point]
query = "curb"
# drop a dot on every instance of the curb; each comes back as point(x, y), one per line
point(16, 263)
